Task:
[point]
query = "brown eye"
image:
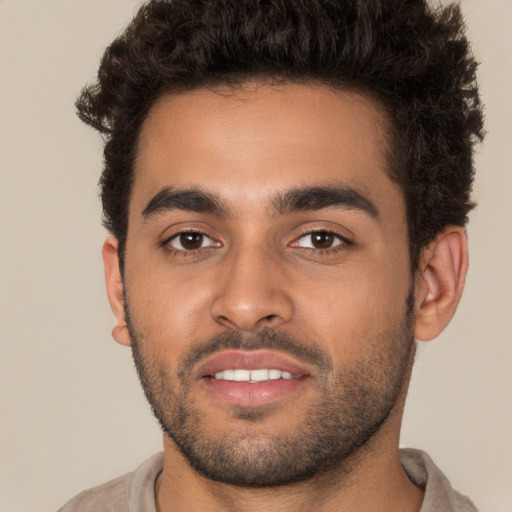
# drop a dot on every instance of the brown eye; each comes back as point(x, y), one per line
point(319, 240)
point(190, 241)
point(322, 240)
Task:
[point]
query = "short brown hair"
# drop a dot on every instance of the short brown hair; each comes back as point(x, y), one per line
point(414, 59)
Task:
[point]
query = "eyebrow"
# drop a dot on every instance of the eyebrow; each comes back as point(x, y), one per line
point(194, 199)
point(318, 198)
point(297, 199)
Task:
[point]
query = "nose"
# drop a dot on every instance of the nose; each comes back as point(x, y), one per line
point(252, 292)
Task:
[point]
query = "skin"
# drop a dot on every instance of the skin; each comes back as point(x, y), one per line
point(254, 270)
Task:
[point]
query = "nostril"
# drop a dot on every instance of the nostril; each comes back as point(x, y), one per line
point(249, 324)
point(226, 321)
point(268, 318)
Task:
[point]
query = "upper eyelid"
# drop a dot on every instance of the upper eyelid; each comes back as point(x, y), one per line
point(321, 230)
point(187, 230)
point(167, 244)
point(337, 234)
point(306, 232)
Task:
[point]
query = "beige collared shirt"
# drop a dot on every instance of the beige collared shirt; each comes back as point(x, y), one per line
point(135, 492)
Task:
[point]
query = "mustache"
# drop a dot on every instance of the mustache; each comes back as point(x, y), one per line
point(269, 339)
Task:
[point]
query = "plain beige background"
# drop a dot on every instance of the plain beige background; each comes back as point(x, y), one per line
point(71, 412)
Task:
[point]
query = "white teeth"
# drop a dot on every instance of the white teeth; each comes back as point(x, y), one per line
point(241, 375)
point(274, 374)
point(260, 375)
point(228, 375)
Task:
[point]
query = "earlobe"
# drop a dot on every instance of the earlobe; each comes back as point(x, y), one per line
point(440, 282)
point(114, 284)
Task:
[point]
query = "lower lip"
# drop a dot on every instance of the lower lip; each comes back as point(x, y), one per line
point(252, 394)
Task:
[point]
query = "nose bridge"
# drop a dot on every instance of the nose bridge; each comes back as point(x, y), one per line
point(252, 292)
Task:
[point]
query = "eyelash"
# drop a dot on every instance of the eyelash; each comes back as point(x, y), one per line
point(345, 242)
point(181, 252)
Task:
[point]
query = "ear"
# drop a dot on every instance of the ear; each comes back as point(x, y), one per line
point(440, 281)
point(114, 285)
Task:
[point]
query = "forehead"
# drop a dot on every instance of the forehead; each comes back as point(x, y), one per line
point(246, 143)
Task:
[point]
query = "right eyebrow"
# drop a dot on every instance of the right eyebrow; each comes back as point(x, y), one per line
point(193, 200)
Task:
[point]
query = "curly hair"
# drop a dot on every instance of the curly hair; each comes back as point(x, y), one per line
point(415, 59)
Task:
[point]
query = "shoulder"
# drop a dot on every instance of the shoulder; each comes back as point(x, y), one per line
point(108, 497)
point(439, 494)
point(122, 494)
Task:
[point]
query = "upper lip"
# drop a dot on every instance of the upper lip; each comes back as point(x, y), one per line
point(250, 360)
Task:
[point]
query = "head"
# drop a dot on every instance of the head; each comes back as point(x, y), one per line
point(286, 184)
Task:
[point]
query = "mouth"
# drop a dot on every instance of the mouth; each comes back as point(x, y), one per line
point(252, 378)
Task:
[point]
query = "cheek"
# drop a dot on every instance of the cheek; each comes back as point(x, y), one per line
point(348, 311)
point(167, 307)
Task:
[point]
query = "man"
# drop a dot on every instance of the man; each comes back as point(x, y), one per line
point(286, 186)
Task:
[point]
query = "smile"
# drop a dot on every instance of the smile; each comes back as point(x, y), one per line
point(253, 376)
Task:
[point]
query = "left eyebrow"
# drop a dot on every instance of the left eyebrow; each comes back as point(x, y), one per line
point(317, 198)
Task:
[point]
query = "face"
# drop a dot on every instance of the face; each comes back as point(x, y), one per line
point(267, 283)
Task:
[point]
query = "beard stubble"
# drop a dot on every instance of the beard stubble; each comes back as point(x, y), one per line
point(350, 407)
